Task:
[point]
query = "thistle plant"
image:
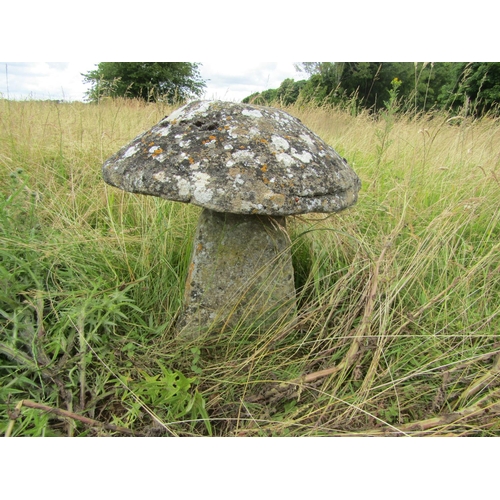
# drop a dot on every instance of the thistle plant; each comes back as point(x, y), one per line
point(391, 108)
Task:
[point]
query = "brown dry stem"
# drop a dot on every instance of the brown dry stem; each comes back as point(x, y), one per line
point(441, 422)
point(65, 414)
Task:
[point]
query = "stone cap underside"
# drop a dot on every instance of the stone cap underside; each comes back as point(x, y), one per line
point(235, 158)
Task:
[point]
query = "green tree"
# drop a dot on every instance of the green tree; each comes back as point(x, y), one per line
point(289, 90)
point(261, 98)
point(451, 86)
point(324, 84)
point(151, 81)
point(473, 86)
point(427, 82)
point(339, 82)
point(369, 83)
point(286, 94)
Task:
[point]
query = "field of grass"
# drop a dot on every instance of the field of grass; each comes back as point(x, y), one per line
point(399, 297)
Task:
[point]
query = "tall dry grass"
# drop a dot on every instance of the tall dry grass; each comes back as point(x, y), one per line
point(397, 332)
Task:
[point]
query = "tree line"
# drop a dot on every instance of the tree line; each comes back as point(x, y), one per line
point(419, 87)
point(368, 85)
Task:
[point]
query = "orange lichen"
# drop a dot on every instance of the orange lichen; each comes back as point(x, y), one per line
point(213, 138)
point(191, 160)
point(264, 168)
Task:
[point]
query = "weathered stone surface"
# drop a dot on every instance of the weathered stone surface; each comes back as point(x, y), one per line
point(235, 158)
point(240, 272)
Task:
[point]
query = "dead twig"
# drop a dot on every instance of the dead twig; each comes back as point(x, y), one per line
point(423, 427)
point(65, 414)
point(482, 382)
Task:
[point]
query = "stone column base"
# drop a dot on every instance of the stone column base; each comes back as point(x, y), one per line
point(240, 273)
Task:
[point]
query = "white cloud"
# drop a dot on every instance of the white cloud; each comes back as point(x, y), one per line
point(43, 80)
point(237, 80)
point(230, 81)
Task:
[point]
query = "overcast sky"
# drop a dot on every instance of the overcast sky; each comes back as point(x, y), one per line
point(267, 30)
point(231, 81)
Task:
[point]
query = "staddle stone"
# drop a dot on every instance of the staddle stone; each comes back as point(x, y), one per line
point(248, 167)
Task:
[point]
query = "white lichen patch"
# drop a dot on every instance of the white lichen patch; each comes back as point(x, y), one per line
point(161, 177)
point(183, 187)
point(254, 113)
point(202, 108)
point(243, 155)
point(239, 180)
point(286, 159)
point(305, 193)
point(248, 206)
point(137, 183)
point(280, 143)
point(203, 196)
point(307, 139)
point(304, 157)
point(131, 151)
point(175, 115)
point(164, 131)
point(253, 132)
point(201, 193)
point(188, 112)
point(282, 117)
point(232, 134)
point(161, 157)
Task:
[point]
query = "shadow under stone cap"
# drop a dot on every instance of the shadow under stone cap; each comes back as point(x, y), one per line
point(235, 158)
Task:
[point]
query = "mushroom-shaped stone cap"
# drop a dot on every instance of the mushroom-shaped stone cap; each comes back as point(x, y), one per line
point(235, 158)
